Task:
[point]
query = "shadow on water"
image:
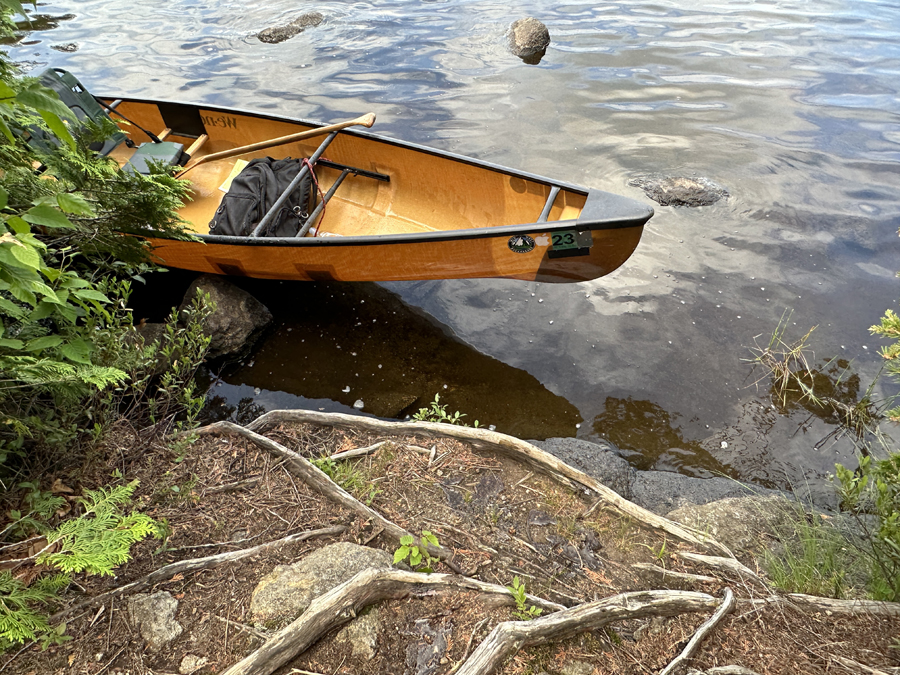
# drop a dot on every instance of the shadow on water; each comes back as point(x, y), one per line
point(339, 346)
point(652, 439)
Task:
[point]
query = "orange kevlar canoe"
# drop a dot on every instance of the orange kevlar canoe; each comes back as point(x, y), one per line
point(404, 211)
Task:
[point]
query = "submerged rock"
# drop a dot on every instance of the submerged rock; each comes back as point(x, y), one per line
point(287, 591)
point(528, 39)
point(67, 47)
point(277, 34)
point(680, 190)
point(239, 317)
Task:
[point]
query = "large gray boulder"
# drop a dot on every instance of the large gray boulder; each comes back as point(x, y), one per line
point(276, 34)
point(154, 616)
point(239, 317)
point(743, 524)
point(663, 491)
point(287, 591)
point(597, 459)
point(528, 39)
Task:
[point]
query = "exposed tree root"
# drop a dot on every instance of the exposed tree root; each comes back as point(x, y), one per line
point(725, 565)
point(817, 604)
point(509, 637)
point(690, 649)
point(194, 564)
point(667, 575)
point(491, 440)
point(343, 603)
point(315, 478)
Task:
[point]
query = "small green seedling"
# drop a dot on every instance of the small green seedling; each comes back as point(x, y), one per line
point(416, 551)
point(523, 611)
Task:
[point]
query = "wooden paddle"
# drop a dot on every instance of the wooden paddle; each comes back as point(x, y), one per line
point(366, 120)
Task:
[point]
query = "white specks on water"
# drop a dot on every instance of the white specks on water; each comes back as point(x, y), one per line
point(540, 299)
point(445, 386)
point(578, 426)
point(492, 427)
point(739, 316)
point(257, 390)
point(352, 353)
point(532, 295)
point(346, 389)
point(250, 365)
point(358, 404)
point(866, 348)
point(379, 365)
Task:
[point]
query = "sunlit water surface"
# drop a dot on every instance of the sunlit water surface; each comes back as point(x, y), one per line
point(792, 105)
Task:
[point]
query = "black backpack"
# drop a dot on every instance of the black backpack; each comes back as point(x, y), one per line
point(255, 190)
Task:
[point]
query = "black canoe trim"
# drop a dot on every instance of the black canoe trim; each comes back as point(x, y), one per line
point(505, 170)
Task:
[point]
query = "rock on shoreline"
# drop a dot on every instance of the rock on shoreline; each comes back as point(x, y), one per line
point(657, 491)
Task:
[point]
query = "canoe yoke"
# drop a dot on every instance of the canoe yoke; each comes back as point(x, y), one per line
point(84, 106)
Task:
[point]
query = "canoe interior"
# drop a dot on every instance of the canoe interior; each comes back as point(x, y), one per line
point(426, 192)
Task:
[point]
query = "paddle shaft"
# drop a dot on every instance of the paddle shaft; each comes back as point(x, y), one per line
point(366, 120)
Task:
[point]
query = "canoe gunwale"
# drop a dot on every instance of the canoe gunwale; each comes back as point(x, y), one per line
point(369, 135)
point(410, 238)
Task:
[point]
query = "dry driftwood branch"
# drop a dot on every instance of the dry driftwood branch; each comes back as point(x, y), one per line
point(315, 478)
point(726, 565)
point(857, 667)
point(679, 661)
point(484, 438)
point(343, 603)
point(509, 637)
point(358, 452)
point(194, 564)
point(665, 574)
point(817, 604)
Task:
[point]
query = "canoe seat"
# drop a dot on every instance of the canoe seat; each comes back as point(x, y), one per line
point(165, 152)
point(84, 106)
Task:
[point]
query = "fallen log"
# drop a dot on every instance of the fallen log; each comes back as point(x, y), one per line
point(497, 442)
point(344, 602)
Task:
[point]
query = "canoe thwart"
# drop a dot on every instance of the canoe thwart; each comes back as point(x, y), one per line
point(352, 169)
point(549, 204)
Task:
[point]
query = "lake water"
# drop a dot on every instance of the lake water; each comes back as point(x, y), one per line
point(792, 105)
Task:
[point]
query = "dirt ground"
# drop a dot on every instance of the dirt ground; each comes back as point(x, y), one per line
point(499, 518)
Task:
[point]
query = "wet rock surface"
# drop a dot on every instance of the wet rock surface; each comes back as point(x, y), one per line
point(528, 39)
point(276, 34)
point(680, 190)
point(599, 460)
point(239, 317)
point(287, 591)
point(66, 47)
point(657, 491)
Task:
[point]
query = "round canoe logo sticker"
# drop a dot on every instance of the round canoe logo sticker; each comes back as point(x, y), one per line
point(521, 243)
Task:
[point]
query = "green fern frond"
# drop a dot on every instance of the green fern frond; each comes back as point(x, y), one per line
point(101, 538)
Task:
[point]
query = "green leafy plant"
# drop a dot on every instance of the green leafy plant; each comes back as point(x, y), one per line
point(345, 474)
point(437, 412)
point(20, 620)
point(523, 611)
point(100, 539)
point(415, 552)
